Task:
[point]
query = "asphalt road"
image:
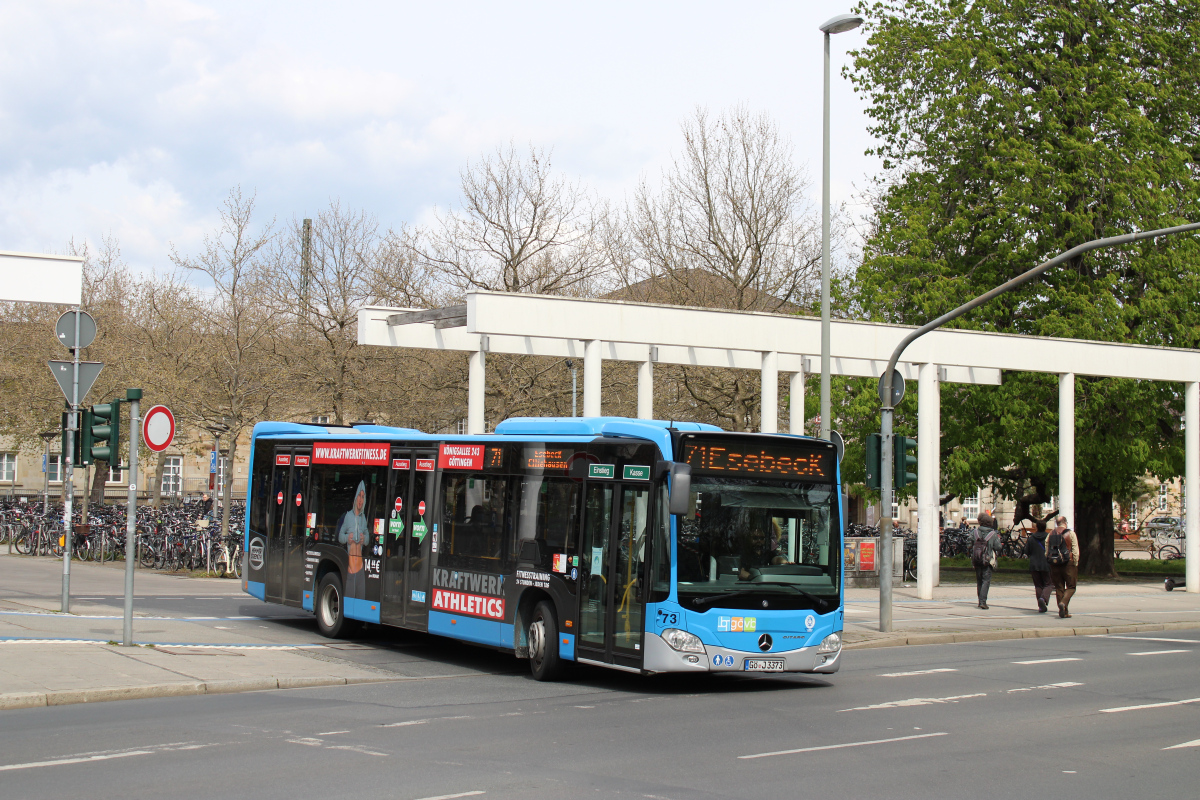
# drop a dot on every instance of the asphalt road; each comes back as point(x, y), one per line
point(1092, 717)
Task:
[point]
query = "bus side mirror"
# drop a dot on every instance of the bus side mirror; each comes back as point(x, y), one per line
point(681, 488)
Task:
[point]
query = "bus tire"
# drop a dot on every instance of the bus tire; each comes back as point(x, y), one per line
point(330, 608)
point(544, 661)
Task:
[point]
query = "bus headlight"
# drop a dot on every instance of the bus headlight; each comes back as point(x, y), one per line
point(830, 644)
point(683, 641)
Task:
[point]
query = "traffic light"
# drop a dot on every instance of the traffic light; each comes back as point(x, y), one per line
point(874, 461)
point(102, 436)
point(903, 460)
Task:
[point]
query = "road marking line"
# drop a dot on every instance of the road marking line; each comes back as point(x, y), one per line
point(1047, 660)
point(402, 724)
point(1157, 652)
point(916, 701)
point(355, 748)
point(331, 733)
point(1063, 685)
point(1193, 743)
point(1153, 639)
point(1149, 705)
point(61, 761)
point(834, 746)
point(915, 672)
point(452, 796)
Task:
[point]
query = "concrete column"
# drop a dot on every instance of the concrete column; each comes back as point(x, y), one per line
point(928, 445)
point(1191, 545)
point(796, 409)
point(936, 460)
point(1066, 447)
point(476, 389)
point(770, 393)
point(593, 362)
point(645, 408)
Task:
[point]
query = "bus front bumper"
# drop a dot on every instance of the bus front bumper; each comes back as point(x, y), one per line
point(661, 657)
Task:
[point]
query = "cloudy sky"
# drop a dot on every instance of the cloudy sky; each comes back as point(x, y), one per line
point(136, 118)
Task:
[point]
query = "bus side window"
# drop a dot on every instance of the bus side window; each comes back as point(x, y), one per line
point(475, 520)
point(549, 511)
point(660, 566)
point(260, 486)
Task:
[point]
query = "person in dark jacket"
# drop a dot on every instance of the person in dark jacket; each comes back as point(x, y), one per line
point(983, 567)
point(1039, 567)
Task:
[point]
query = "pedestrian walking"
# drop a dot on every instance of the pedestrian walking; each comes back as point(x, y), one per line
point(983, 555)
point(1062, 551)
point(1039, 567)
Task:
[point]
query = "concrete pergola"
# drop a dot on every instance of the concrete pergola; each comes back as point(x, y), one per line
point(645, 333)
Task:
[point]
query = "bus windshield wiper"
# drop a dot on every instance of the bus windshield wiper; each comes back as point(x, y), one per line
point(704, 602)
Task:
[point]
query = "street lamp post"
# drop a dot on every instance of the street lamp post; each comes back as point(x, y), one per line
point(839, 24)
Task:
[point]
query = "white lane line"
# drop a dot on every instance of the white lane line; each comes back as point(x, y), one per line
point(1157, 652)
point(1063, 685)
point(833, 747)
point(356, 748)
point(1149, 705)
point(452, 796)
point(915, 672)
point(1047, 660)
point(83, 760)
point(1193, 743)
point(403, 724)
point(916, 701)
point(331, 733)
point(1154, 639)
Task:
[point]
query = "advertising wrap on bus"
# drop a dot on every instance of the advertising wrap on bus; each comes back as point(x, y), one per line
point(634, 544)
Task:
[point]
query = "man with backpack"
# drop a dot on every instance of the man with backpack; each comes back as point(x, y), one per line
point(1062, 552)
point(983, 555)
point(1039, 567)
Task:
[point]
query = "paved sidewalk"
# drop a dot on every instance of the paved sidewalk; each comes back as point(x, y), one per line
point(952, 615)
point(203, 636)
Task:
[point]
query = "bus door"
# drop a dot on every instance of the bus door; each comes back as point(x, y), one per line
point(399, 528)
point(418, 540)
point(285, 532)
point(295, 543)
point(613, 549)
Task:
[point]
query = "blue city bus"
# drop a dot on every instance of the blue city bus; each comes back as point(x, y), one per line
point(638, 545)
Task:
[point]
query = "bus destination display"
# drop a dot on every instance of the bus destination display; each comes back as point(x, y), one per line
point(751, 458)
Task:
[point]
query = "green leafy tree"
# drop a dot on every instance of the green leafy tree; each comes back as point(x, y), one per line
point(1009, 132)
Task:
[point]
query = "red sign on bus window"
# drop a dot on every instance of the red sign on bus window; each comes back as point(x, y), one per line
point(424, 465)
point(461, 456)
point(283, 461)
point(302, 461)
point(350, 453)
point(400, 463)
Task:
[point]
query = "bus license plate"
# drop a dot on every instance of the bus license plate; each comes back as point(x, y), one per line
point(764, 665)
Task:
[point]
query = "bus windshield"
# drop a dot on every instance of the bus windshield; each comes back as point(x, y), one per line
point(754, 543)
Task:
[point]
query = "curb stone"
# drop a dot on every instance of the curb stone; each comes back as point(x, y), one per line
point(902, 640)
point(15, 700)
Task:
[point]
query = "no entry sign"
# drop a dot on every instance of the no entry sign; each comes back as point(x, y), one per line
point(158, 428)
point(399, 504)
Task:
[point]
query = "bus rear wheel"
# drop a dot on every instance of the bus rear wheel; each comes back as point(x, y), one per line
point(330, 608)
point(544, 660)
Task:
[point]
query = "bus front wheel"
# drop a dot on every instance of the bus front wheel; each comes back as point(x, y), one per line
point(544, 660)
point(330, 606)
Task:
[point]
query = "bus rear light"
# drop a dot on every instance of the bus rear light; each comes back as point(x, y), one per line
point(683, 641)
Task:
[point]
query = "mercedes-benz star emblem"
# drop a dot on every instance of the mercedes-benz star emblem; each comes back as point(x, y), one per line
point(764, 642)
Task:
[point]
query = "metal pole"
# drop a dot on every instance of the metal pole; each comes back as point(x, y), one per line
point(885, 411)
point(135, 430)
point(72, 427)
point(826, 422)
point(46, 480)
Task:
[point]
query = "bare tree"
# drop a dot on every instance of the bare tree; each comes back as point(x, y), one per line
point(729, 227)
point(237, 375)
point(520, 229)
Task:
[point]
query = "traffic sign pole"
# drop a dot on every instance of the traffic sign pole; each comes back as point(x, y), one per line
point(133, 396)
point(69, 478)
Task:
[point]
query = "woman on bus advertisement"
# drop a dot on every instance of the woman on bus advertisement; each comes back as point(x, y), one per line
point(353, 533)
